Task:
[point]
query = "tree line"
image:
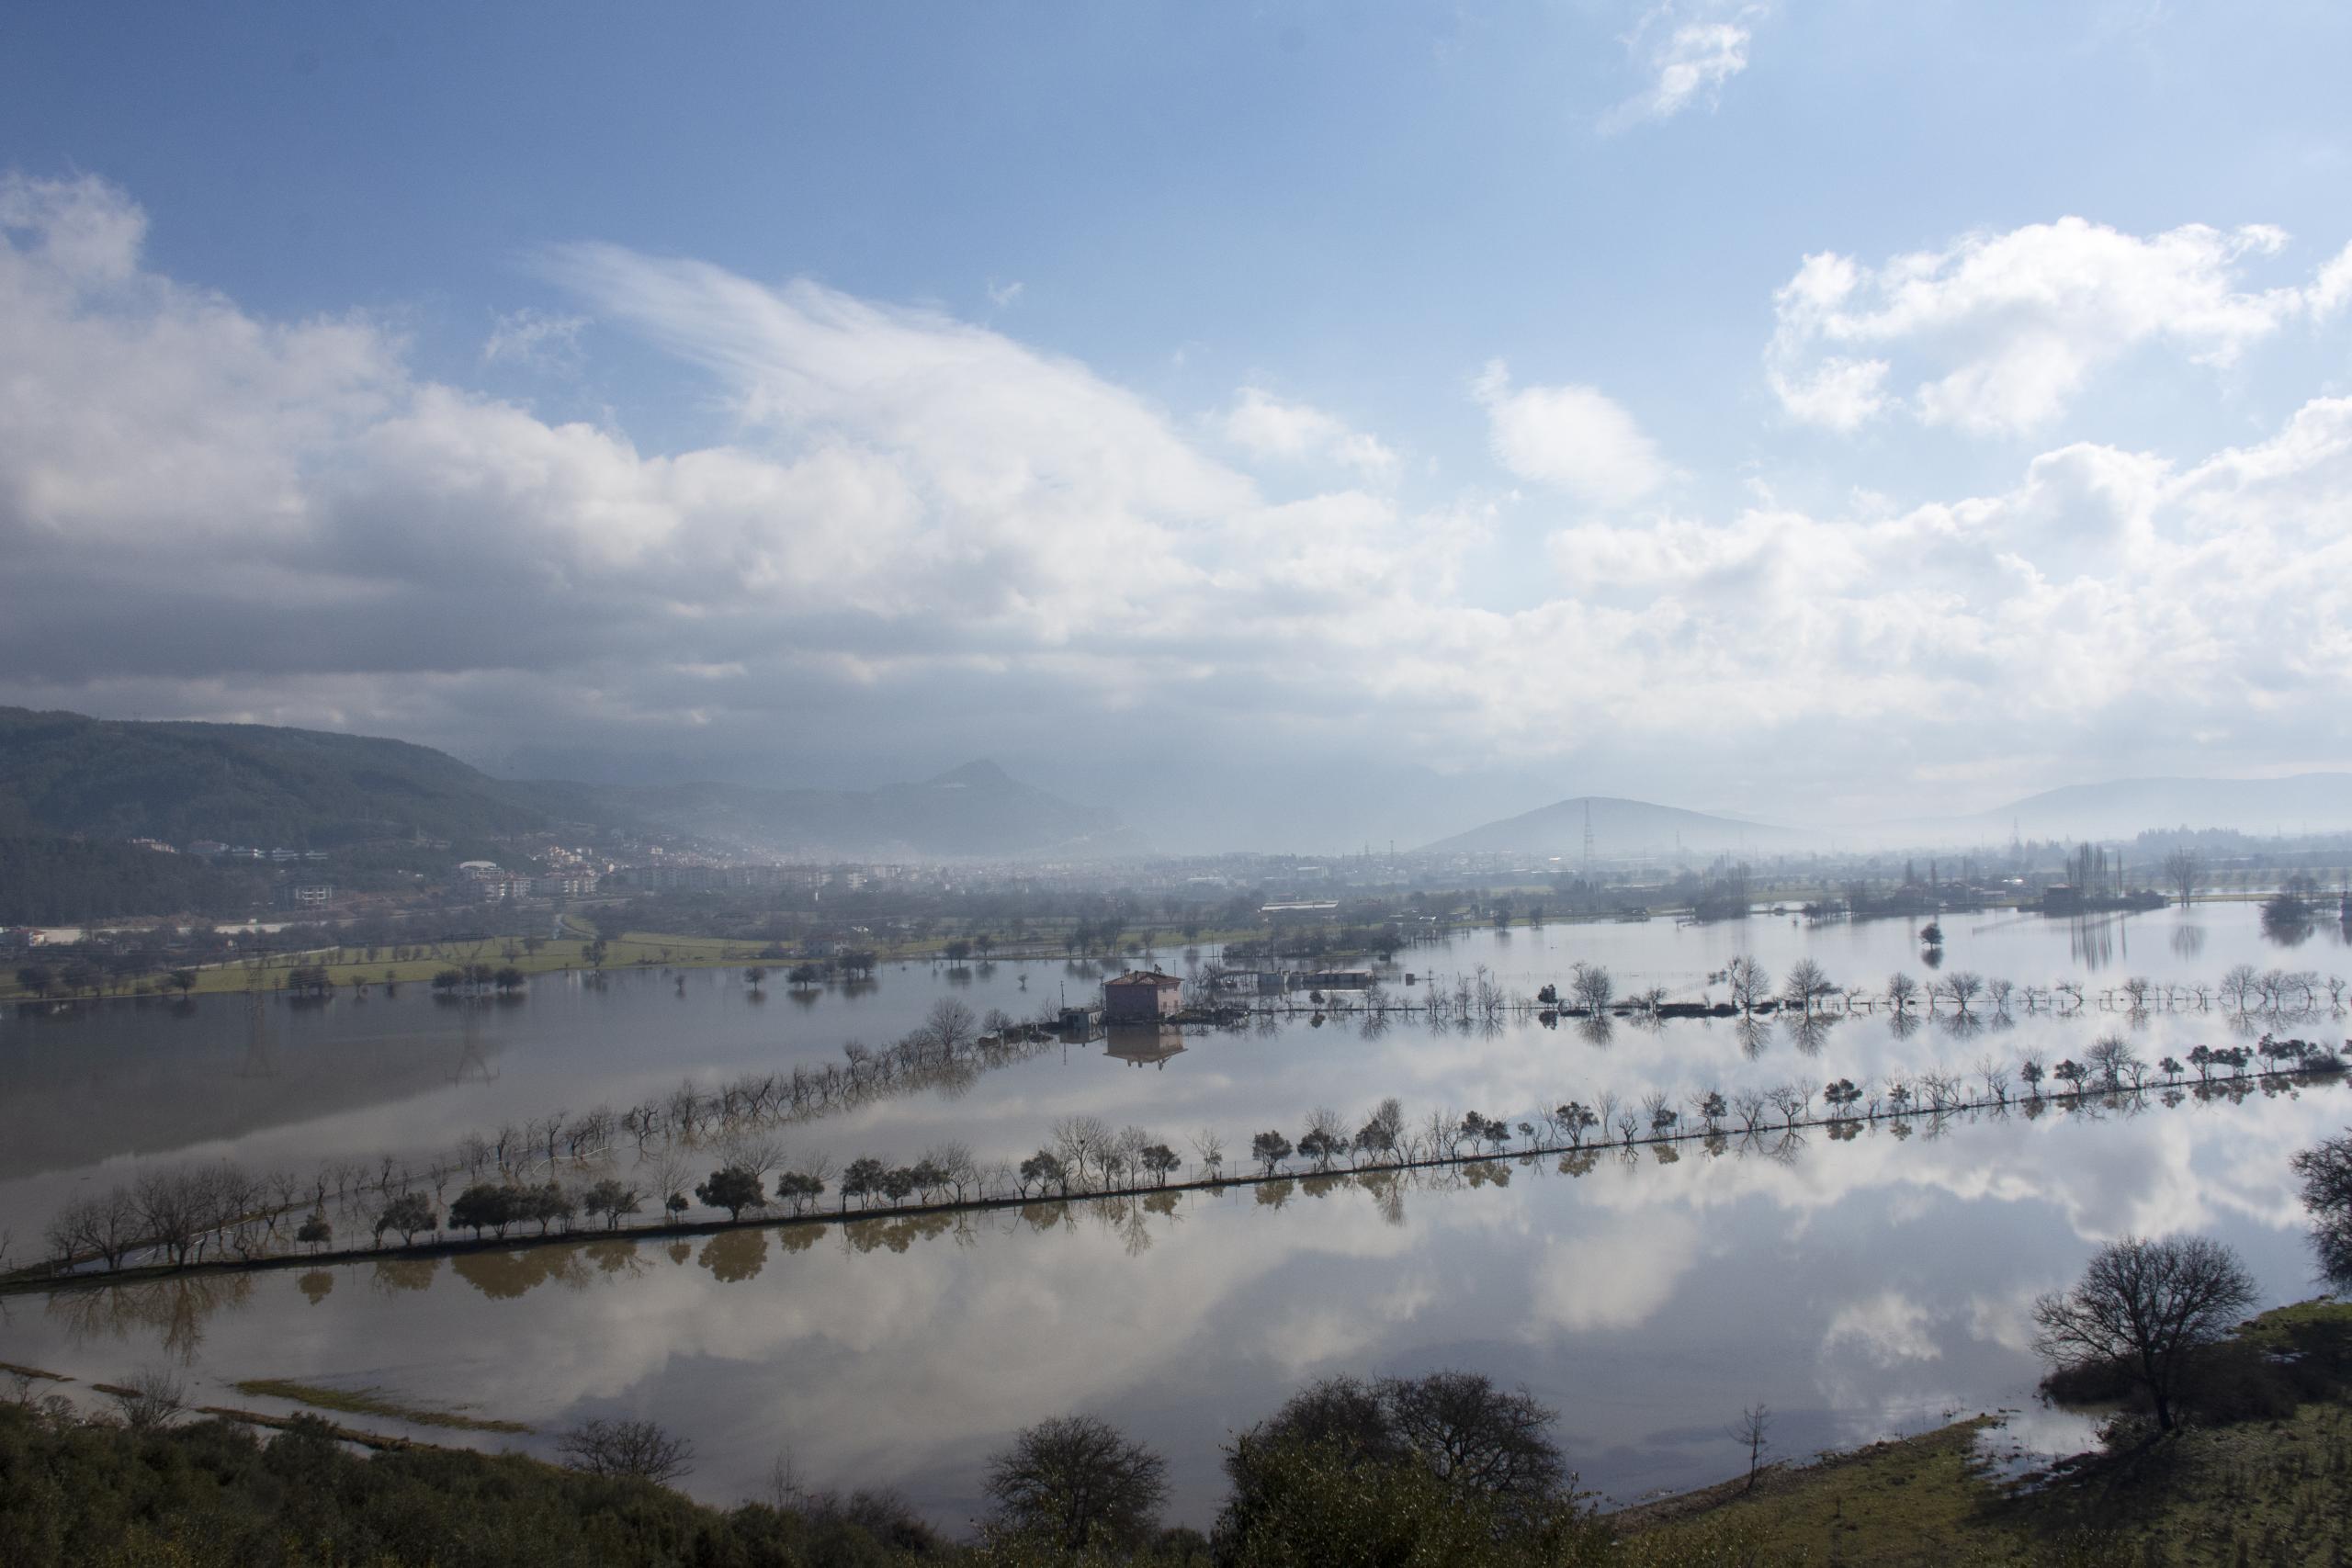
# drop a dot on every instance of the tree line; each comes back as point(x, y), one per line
point(216, 1213)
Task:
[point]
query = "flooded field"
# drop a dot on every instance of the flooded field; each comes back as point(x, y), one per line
point(1859, 1284)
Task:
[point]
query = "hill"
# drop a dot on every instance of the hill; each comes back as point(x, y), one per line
point(63, 775)
point(976, 811)
point(243, 784)
point(1619, 828)
point(2120, 807)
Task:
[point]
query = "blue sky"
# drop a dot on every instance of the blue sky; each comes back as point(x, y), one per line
point(1412, 348)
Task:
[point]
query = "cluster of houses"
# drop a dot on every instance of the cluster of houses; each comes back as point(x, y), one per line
point(213, 848)
point(493, 885)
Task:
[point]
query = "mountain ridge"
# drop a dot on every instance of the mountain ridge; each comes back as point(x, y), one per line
point(2319, 801)
point(1620, 827)
point(68, 774)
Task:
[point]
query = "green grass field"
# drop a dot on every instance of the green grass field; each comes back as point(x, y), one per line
point(631, 950)
point(367, 1402)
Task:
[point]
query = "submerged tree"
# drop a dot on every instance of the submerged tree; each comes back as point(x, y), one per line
point(1751, 983)
point(2184, 871)
point(1806, 986)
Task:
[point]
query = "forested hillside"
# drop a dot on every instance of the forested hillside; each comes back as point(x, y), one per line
point(243, 784)
point(64, 882)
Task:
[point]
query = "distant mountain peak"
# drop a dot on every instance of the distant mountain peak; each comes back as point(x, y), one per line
point(979, 772)
point(1619, 827)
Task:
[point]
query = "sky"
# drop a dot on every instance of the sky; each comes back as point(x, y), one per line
point(1289, 426)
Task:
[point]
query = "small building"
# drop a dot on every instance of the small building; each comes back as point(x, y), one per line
point(1142, 995)
point(303, 894)
point(1335, 979)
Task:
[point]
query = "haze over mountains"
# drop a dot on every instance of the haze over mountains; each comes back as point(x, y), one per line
point(63, 773)
point(974, 811)
point(1619, 828)
point(2305, 802)
point(2301, 803)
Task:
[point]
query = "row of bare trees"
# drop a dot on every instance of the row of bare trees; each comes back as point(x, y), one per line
point(1807, 990)
point(195, 1213)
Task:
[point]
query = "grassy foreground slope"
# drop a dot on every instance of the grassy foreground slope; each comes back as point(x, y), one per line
point(2263, 1476)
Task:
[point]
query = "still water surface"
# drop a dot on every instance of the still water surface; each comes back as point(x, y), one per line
point(1860, 1287)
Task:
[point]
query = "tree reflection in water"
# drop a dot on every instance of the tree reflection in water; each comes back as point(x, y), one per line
point(1753, 1034)
point(1808, 1032)
point(894, 1234)
point(393, 1275)
point(735, 1255)
point(177, 1308)
point(505, 1276)
point(616, 1255)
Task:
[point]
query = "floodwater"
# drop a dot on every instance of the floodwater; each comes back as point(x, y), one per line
point(1859, 1286)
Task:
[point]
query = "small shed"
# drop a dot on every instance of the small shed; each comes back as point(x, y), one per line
point(1142, 995)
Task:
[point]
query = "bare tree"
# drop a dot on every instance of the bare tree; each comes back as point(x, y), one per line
point(2113, 1060)
point(1209, 1147)
point(2325, 1172)
point(1902, 991)
point(1475, 1437)
point(1326, 1137)
point(951, 1026)
point(1080, 1139)
point(1077, 1483)
point(152, 1399)
point(1751, 983)
point(105, 1224)
point(757, 1155)
point(1791, 1100)
point(1963, 988)
point(1805, 984)
point(957, 1168)
point(2184, 871)
point(2147, 1308)
point(1752, 1431)
point(627, 1449)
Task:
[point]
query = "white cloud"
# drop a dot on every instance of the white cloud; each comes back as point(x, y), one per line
point(914, 526)
point(1686, 57)
point(1003, 295)
point(1572, 438)
point(2007, 329)
point(1265, 426)
point(534, 338)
